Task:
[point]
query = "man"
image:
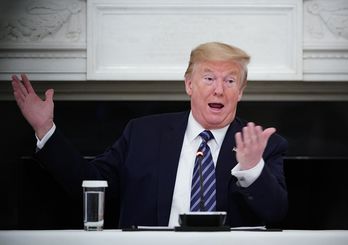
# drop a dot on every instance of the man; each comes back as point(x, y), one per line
point(152, 165)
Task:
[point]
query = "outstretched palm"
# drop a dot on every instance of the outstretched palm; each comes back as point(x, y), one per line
point(38, 112)
point(251, 144)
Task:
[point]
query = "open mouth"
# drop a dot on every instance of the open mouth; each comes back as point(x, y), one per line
point(216, 105)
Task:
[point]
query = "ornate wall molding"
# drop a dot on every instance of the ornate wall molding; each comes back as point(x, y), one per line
point(299, 48)
point(49, 54)
point(151, 40)
point(39, 20)
point(44, 38)
point(325, 54)
point(174, 90)
point(326, 17)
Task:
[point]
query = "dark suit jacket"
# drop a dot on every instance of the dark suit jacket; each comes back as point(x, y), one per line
point(141, 166)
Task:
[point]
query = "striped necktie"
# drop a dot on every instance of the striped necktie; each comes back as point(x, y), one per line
point(203, 192)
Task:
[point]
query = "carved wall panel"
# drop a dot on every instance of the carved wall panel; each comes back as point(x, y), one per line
point(326, 40)
point(133, 41)
point(151, 40)
point(44, 38)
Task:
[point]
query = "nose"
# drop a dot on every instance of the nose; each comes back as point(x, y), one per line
point(219, 87)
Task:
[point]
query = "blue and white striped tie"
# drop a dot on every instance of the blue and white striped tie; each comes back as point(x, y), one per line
point(203, 192)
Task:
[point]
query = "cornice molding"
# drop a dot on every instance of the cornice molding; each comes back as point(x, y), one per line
point(325, 55)
point(49, 54)
point(56, 59)
point(175, 91)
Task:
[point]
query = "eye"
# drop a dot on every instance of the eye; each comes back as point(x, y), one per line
point(230, 81)
point(209, 79)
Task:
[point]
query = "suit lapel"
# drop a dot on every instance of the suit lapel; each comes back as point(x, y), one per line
point(226, 161)
point(170, 149)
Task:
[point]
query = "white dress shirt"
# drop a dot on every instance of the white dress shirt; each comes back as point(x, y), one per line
point(182, 189)
point(41, 143)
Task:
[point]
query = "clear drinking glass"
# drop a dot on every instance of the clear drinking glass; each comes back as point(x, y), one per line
point(93, 204)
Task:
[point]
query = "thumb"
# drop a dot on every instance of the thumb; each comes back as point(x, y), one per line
point(49, 94)
point(267, 133)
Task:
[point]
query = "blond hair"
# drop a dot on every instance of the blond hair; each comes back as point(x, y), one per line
point(216, 51)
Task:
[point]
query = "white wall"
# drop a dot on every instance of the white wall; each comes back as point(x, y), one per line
point(138, 49)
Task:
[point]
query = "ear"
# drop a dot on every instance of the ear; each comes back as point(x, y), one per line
point(188, 85)
point(240, 95)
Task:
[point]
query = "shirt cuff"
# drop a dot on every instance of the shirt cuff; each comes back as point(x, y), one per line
point(247, 177)
point(41, 143)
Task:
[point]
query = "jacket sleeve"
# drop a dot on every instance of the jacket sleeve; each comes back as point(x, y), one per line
point(267, 196)
point(69, 168)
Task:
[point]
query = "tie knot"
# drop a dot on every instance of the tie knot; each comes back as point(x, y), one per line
point(206, 135)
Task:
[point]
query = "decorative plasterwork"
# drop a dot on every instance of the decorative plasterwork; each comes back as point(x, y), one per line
point(326, 21)
point(152, 40)
point(27, 21)
point(325, 40)
point(47, 39)
point(44, 38)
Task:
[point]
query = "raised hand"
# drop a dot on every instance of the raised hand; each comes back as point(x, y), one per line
point(38, 112)
point(250, 145)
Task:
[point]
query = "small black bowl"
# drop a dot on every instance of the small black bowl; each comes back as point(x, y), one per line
point(202, 219)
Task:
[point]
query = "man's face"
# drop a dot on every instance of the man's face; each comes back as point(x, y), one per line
point(215, 89)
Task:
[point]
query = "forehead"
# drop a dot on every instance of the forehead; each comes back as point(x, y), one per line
point(218, 67)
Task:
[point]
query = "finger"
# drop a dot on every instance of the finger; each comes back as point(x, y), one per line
point(254, 134)
point(14, 78)
point(15, 82)
point(27, 83)
point(20, 87)
point(248, 133)
point(19, 98)
point(258, 132)
point(239, 141)
point(16, 89)
point(49, 95)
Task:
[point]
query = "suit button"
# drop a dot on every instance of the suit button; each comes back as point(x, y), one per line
point(250, 198)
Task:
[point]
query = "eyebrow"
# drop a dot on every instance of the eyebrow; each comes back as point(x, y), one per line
point(229, 74)
point(207, 70)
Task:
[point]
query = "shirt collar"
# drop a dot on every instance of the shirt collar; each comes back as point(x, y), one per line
point(194, 129)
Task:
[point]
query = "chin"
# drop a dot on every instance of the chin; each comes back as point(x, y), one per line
point(215, 125)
